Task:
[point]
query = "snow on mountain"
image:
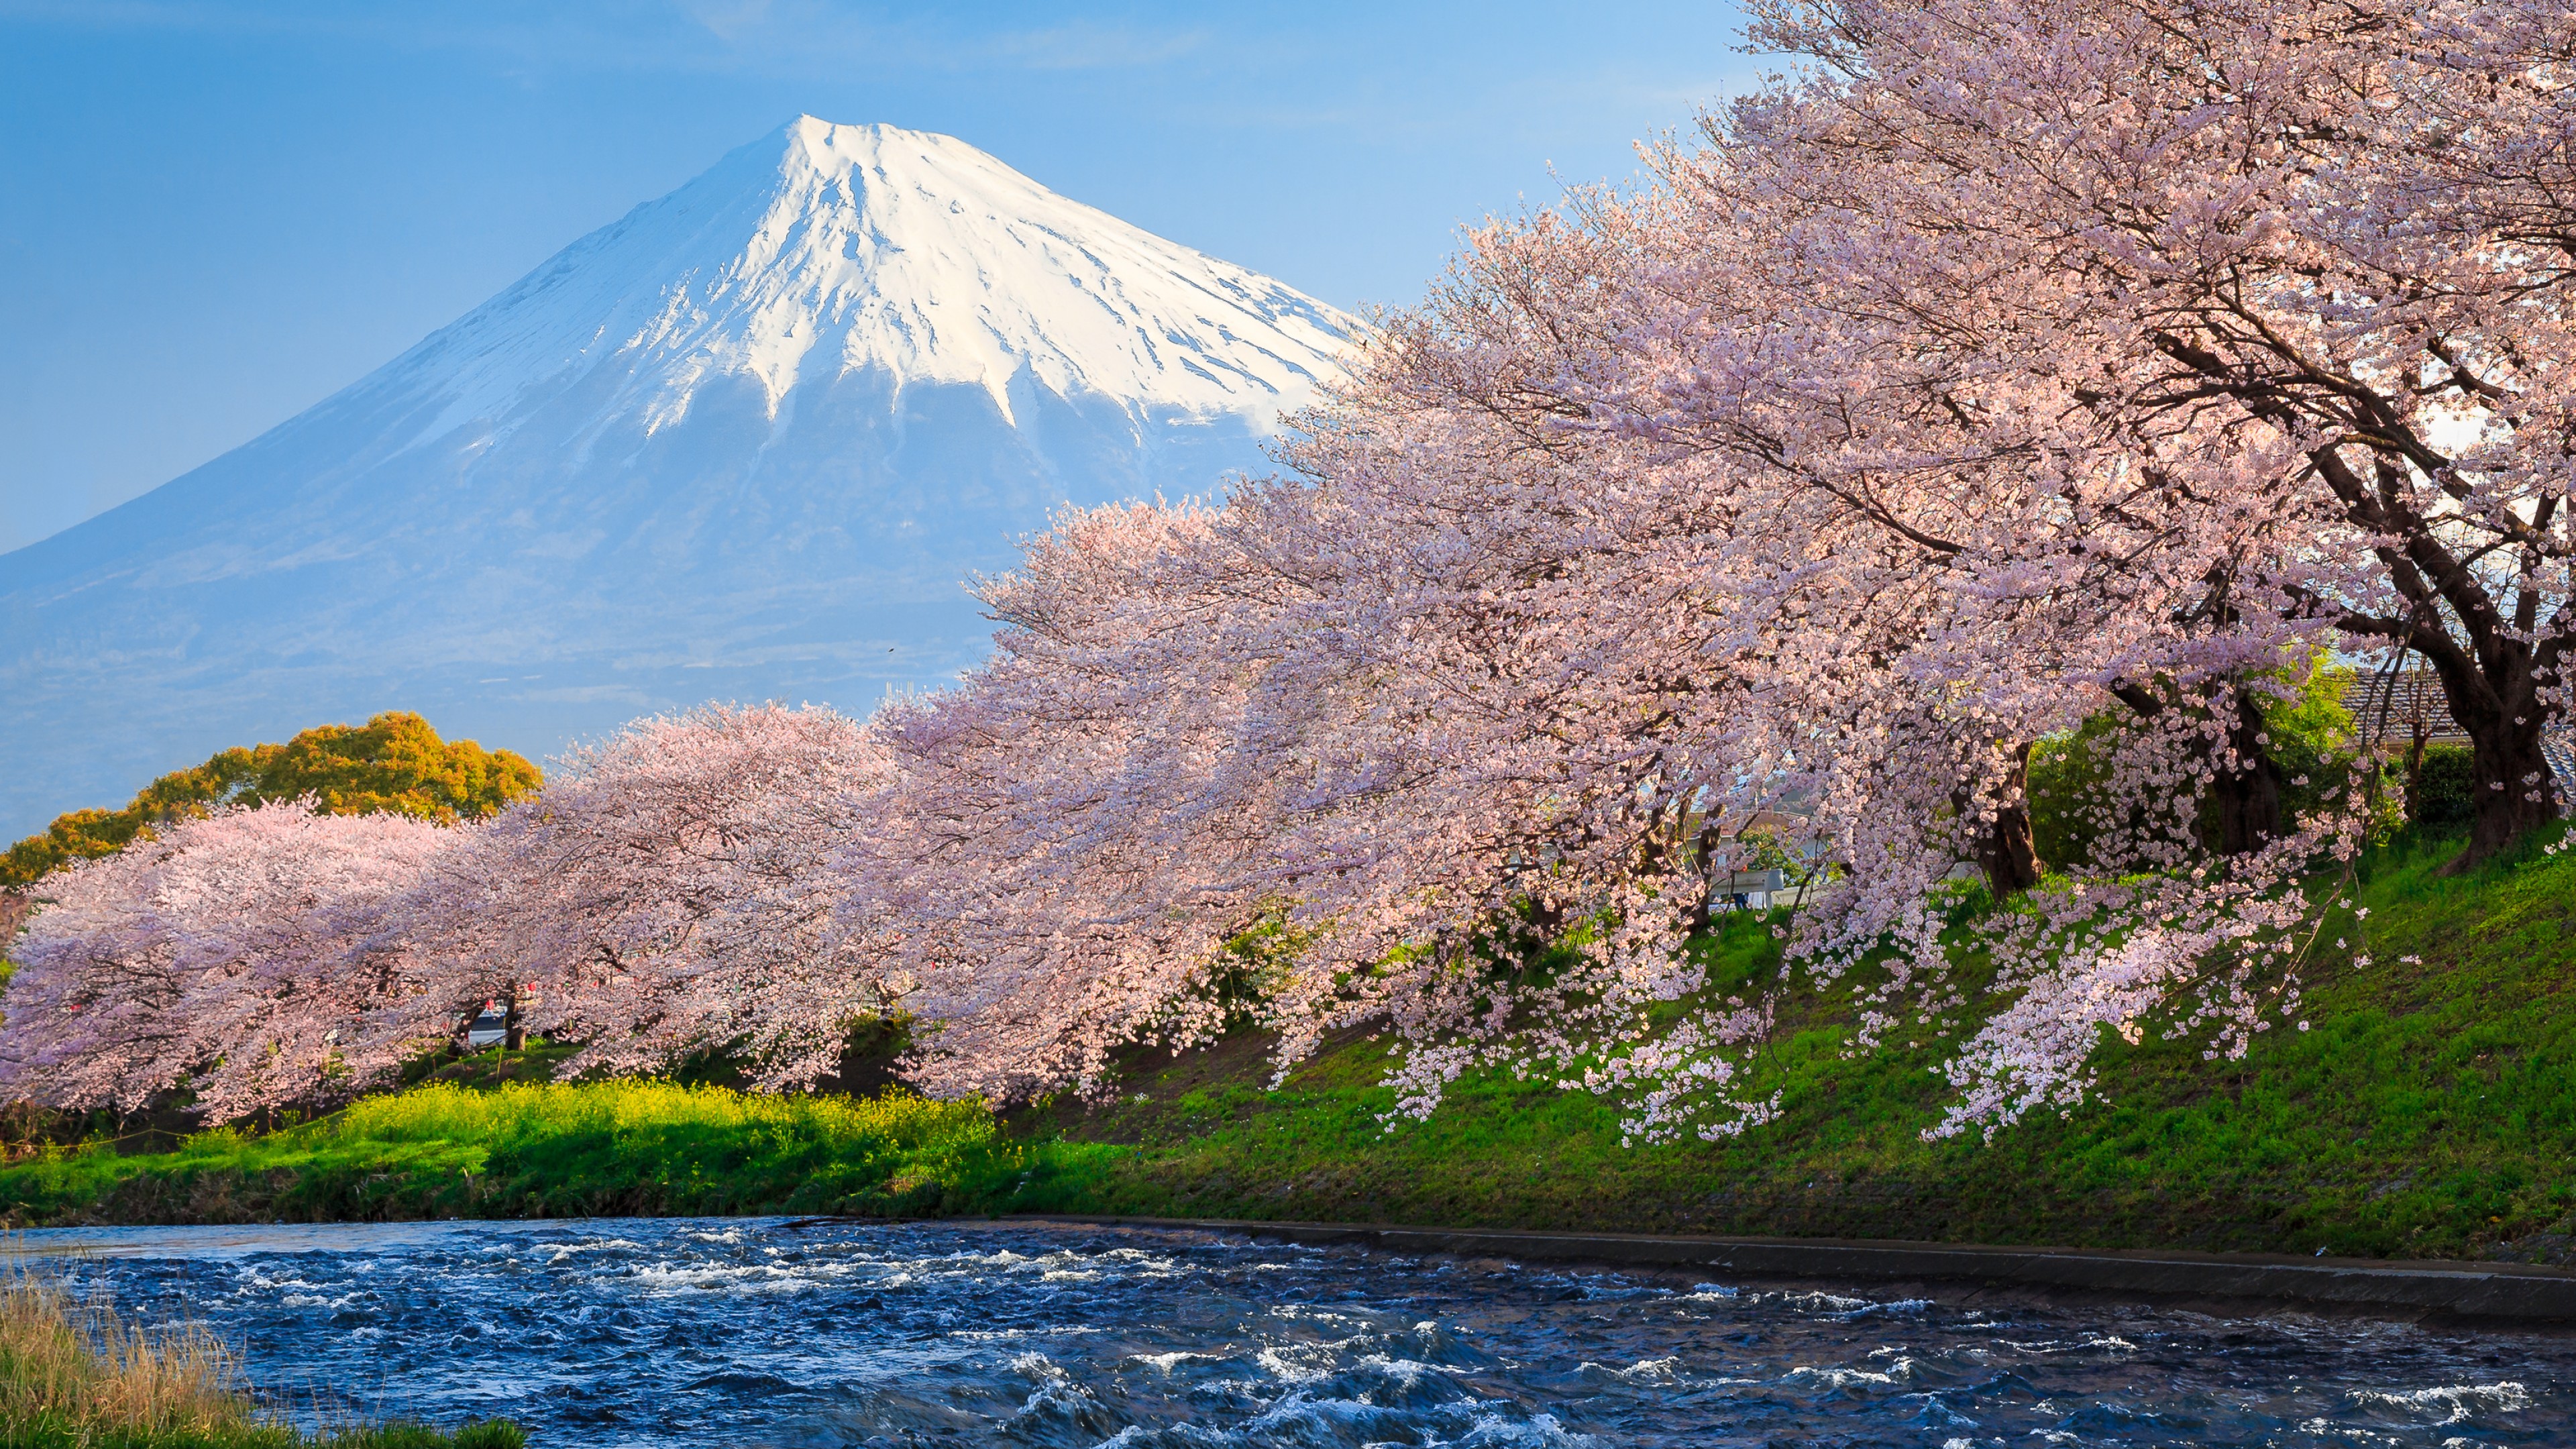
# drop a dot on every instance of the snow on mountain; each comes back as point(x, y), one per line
point(868, 246)
point(743, 443)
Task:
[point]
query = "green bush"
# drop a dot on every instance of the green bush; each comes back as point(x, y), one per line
point(2067, 774)
point(2445, 798)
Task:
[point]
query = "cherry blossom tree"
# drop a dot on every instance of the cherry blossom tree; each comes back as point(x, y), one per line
point(2000, 366)
point(665, 895)
point(1971, 458)
point(2284, 281)
point(1071, 834)
point(240, 957)
point(2021, 349)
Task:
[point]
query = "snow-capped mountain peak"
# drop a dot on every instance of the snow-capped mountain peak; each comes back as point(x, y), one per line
point(744, 443)
point(824, 249)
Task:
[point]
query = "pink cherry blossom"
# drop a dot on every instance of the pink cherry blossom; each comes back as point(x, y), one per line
point(239, 956)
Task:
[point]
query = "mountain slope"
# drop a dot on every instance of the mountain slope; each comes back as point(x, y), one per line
point(743, 443)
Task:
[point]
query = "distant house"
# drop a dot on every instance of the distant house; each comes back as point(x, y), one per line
point(2408, 707)
point(1760, 890)
point(2402, 707)
point(1753, 890)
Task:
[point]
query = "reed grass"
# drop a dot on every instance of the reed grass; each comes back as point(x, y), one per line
point(66, 1362)
point(77, 1374)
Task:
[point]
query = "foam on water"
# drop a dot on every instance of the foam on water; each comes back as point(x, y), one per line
point(772, 1332)
point(2453, 1402)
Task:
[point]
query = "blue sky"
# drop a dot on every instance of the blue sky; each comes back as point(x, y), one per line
point(212, 215)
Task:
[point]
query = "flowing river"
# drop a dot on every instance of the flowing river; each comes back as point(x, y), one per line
point(755, 1332)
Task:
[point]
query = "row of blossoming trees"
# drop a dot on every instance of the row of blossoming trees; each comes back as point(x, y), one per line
point(1999, 367)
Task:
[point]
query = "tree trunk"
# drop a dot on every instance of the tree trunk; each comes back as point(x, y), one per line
point(2006, 850)
point(2505, 758)
point(2417, 740)
point(514, 1036)
point(2247, 795)
point(2495, 701)
point(2485, 637)
point(2247, 798)
point(1705, 846)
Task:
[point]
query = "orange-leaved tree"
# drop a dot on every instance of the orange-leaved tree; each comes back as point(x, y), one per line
point(392, 764)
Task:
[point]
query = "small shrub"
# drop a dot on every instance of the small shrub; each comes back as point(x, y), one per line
point(2444, 800)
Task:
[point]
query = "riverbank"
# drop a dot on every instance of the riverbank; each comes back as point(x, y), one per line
point(551, 1150)
point(2428, 1112)
point(2222, 1282)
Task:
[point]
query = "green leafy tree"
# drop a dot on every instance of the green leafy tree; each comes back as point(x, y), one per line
point(392, 764)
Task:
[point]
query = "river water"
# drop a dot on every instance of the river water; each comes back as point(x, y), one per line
point(755, 1332)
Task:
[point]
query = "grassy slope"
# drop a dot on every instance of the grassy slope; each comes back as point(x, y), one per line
point(2430, 1112)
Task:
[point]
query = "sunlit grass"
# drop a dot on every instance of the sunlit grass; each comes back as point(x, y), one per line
point(555, 1150)
point(2430, 1110)
point(518, 1111)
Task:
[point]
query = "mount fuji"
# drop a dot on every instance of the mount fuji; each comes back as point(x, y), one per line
point(745, 443)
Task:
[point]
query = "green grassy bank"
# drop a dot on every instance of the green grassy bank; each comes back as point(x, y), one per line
point(2430, 1111)
point(520, 1149)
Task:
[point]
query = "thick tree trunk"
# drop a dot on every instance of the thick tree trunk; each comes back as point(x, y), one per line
point(2006, 850)
point(1705, 846)
point(2248, 793)
point(2245, 797)
point(2495, 701)
point(2511, 771)
point(514, 1036)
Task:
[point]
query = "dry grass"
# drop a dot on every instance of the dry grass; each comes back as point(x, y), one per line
point(64, 1362)
point(76, 1374)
